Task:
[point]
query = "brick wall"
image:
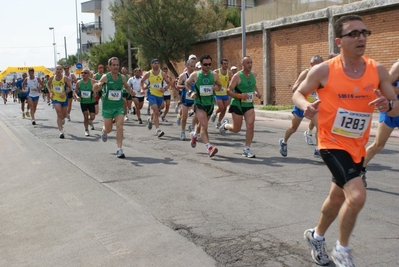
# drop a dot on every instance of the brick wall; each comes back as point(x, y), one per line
point(290, 52)
point(292, 47)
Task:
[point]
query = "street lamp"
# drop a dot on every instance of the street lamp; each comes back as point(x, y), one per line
point(55, 48)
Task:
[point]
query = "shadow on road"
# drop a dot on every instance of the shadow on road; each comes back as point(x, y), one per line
point(141, 161)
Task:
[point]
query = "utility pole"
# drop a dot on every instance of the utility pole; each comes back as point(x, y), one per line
point(243, 29)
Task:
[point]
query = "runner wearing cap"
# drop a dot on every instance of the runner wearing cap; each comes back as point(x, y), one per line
point(156, 87)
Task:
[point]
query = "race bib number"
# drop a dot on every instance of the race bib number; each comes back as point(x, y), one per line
point(86, 94)
point(351, 124)
point(250, 98)
point(114, 95)
point(156, 86)
point(206, 90)
point(58, 89)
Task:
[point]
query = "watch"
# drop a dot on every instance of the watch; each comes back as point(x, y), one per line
point(391, 105)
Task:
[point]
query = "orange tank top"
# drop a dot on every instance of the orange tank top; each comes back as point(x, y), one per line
point(344, 114)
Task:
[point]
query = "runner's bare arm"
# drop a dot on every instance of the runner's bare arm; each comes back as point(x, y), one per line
point(98, 85)
point(394, 73)
point(68, 83)
point(387, 92)
point(143, 86)
point(300, 79)
point(233, 83)
point(217, 85)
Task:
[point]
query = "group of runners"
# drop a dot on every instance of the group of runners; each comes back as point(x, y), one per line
point(338, 96)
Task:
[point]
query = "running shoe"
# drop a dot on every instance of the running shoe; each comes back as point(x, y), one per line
point(148, 112)
point(218, 124)
point(190, 128)
point(342, 258)
point(308, 138)
point(140, 121)
point(126, 118)
point(177, 109)
point(68, 117)
point(222, 128)
point(62, 135)
point(164, 119)
point(33, 122)
point(91, 124)
point(318, 252)
point(160, 133)
point(283, 147)
point(87, 133)
point(247, 153)
point(317, 154)
point(23, 115)
point(149, 124)
point(213, 117)
point(193, 141)
point(212, 151)
point(119, 153)
point(104, 136)
point(190, 113)
point(363, 176)
point(134, 110)
point(178, 121)
point(27, 114)
point(182, 136)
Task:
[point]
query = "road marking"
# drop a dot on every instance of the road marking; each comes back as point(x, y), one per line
point(110, 242)
point(72, 200)
point(12, 136)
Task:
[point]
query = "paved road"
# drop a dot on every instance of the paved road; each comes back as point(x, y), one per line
point(72, 203)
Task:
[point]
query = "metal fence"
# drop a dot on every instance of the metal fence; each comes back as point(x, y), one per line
point(284, 8)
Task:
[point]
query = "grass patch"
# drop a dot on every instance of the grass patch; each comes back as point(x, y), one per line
point(270, 107)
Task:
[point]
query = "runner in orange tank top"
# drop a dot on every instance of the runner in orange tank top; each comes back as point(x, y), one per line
point(346, 86)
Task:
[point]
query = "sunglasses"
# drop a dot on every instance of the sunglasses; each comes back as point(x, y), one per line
point(85, 73)
point(207, 64)
point(356, 33)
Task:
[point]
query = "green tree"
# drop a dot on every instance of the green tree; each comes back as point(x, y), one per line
point(234, 16)
point(116, 47)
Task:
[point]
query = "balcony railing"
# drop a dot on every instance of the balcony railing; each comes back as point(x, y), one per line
point(91, 26)
point(87, 46)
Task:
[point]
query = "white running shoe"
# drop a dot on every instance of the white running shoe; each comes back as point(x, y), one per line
point(222, 128)
point(119, 153)
point(342, 258)
point(87, 133)
point(183, 136)
point(308, 138)
point(247, 153)
point(318, 252)
point(149, 123)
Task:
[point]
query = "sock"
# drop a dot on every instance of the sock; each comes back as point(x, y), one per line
point(246, 147)
point(338, 247)
point(207, 146)
point(317, 236)
point(309, 131)
point(156, 130)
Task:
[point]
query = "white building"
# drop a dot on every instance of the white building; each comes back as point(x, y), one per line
point(102, 28)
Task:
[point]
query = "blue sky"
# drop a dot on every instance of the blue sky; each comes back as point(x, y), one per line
point(25, 38)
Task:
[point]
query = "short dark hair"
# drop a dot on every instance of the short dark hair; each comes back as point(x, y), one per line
point(112, 59)
point(223, 59)
point(31, 69)
point(340, 22)
point(205, 57)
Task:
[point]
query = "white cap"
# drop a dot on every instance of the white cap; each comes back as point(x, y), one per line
point(198, 65)
point(233, 68)
point(192, 56)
